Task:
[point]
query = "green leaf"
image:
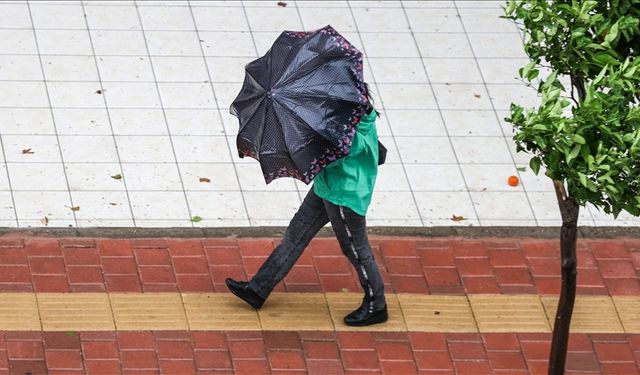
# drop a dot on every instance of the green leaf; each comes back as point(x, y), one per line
point(613, 33)
point(117, 177)
point(583, 179)
point(521, 169)
point(196, 219)
point(587, 6)
point(577, 138)
point(534, 164)
point(630, 72)
point(524, 71)
point(604, 58)
point(600, 75)
point(578, 32)
point(539, 17)
point(573, 154)
point(550, 79)
point(511, 6)
point(595, 46)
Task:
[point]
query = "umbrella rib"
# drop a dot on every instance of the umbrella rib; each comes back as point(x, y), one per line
point(248, 121)
point(300, 120)
point(254, 79)
point(297, 75)
point(334, 98)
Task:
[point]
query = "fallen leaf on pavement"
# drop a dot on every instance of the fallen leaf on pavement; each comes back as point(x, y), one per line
point(45, 220)
point(477, 95)
point(27, 151)
point(458, 218)
point(282, 4)
point(204, 179)
point(75, 208)
point(117, 176)
point(196, 219)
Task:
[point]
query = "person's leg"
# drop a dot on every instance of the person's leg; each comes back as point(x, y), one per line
point(351, 232)
point(306, 223)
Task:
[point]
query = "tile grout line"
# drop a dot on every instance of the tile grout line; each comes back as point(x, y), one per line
point(104, 99)
point(37, 302)
point(618, 314)
point(9, 185)
point(213, 108)
point(250, 56)
point(239, 82)
point(175, 5)
point(372, 73)
point(473, 313)
point(437, 102)
point(301, 193)
point(257, 53)
point(296, 182)
point(218, 109)
point(242, 31)
point(486, 88)
point(164, 114)
point(53, 119)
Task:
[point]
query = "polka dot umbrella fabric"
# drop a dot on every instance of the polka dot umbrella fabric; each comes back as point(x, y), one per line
point(300, 104)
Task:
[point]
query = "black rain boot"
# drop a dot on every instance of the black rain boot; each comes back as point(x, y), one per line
point(363, 316)
point(243, 291)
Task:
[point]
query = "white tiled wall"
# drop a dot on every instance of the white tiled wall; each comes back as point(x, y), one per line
point(140, 90)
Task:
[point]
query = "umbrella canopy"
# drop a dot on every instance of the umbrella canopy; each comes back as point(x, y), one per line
point(300, 104)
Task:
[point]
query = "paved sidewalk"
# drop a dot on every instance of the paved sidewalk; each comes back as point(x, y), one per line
point(159, 306)
point(409, 265)
point(119, 109)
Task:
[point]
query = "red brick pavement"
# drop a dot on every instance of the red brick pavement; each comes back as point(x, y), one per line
point(414, 265)
point(180, 353)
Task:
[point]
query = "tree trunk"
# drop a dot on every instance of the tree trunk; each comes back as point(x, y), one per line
point(569, 210)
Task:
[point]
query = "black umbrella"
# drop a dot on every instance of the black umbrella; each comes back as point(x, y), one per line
point(300, 104)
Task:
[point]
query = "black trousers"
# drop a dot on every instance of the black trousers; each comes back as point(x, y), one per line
point(351, 232)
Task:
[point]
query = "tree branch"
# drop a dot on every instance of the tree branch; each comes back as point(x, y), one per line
point(561, 192)
point(573, 97)
point(579, 84)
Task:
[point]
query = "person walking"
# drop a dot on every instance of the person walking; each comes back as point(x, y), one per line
point(341, 195)
point(305, 112)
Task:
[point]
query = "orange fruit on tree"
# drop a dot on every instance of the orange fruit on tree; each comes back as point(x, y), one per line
point(513, 181)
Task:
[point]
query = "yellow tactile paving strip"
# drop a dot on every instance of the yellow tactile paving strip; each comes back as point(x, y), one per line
point(308, 311)
point(296, 312)
point(437, 313)
point(148, 311)
point(19, 312)
point(217, 312)
point(78, 311)
point(592, 314)
point(629, 311)
point(509, 313)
